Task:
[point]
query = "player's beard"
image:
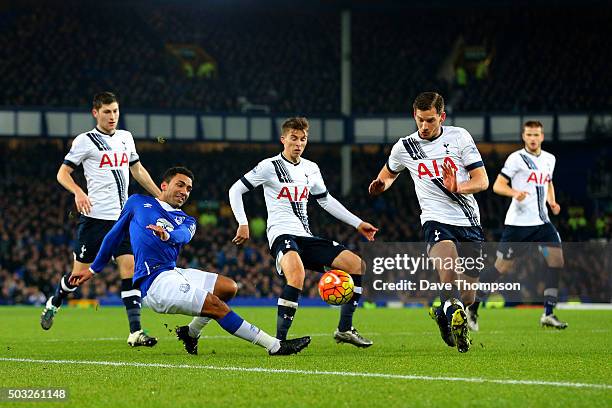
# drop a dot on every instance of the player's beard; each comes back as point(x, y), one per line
point(179, 201)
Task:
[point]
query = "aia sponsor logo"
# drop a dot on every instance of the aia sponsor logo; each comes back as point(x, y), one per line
point(114, 159)
point(538, 178)
point(432, 168)
point(294, 193)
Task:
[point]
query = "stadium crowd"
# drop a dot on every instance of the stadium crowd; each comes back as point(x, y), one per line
point(288, 60)
point(37, 222)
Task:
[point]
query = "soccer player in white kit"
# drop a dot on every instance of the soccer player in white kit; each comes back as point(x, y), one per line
point(108, 156)
point(527, 178)
point(447, 170)
point(288, 180)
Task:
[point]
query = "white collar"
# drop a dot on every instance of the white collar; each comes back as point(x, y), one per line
point(167, 206)
point(532, 154)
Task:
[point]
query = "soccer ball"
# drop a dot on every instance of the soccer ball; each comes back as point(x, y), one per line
point(336, 287)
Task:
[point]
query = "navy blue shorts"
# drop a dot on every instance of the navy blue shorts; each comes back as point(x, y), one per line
point(316, 253)
point(509, 244)
point(436, 231)
point(468, 240)
point(90, 234)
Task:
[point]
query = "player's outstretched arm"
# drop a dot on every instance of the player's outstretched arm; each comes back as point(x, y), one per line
point(382, 182)
point(340, 212)
point(235, 197)
point(502, 187)
point(142, 176)
point(110, 243)
point(551, 199)
point(64, 177)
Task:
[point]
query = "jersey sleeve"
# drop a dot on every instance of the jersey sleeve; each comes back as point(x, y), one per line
point(113, 238)
point(78, 151)
point(184, 233)
point(511, 167)
point(470, 156)
point(394, 163)
point(335, 208)
point(134, 157)
point(318, 190)
point(257, 176)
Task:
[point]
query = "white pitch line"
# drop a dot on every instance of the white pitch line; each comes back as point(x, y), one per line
point(315, 372)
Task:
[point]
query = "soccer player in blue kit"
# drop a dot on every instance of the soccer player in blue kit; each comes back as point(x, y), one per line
point(158, 229)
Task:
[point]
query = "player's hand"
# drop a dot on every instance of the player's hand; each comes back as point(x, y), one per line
point(449, 176)
point(242, 234)
point(520, 195)
point(367, 230)
point(83, 204)
point(159, 232)
point(555, 208)
point(78, 278)
point(376, 187)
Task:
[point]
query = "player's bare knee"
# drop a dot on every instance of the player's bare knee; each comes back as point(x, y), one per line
point(354, 266)
point(126, 265)
point(503, 266)
point(350, 263)
point(468, 297)
point(79, 267)
point(293, 269)
point(232, 290)
point(363, 267)
point(504, 269)
point(553, 262)
point(225, 288)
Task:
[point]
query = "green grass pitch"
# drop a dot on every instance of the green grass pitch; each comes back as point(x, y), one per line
point(513, 362)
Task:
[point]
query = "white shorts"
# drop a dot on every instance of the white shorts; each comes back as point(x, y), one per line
point(180, 291)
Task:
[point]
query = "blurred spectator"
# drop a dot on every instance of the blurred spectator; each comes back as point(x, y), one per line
point(287, 59)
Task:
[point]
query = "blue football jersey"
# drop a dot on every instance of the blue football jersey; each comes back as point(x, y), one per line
point(151, 255)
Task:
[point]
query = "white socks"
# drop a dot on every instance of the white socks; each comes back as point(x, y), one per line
point(196, 326)
point(257, 336)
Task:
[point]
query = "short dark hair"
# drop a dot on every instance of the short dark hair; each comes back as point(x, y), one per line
point(104, 98)
point(533, 124)
point(295, 123)
point(173, 171)
point(427, 100)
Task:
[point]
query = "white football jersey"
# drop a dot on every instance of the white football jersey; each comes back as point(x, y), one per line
point(287, 187)
point(424, 159)
point(530, 173)
point(106, 163)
